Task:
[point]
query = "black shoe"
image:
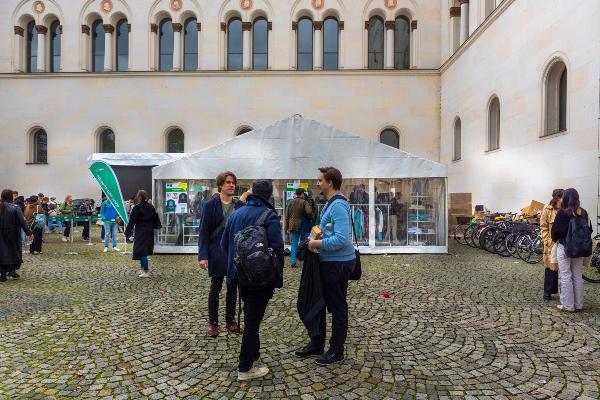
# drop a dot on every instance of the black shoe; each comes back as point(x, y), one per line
point(329, 358)
point(547, 297)
point(309, 351)
point(14, 275)
point(3, 278)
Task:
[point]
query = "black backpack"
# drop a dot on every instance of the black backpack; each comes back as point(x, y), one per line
point(256, 263)
point(578, 242)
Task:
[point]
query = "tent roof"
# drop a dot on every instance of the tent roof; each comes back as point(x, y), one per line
point(294, 148)
point(135, 159)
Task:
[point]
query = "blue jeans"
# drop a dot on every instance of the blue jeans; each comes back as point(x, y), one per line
point(110, 229)
point(23, 237)
point(294, 239)
point(52, 220)
point(144, 263)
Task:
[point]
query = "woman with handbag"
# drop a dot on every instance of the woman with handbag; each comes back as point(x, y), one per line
point(66, 211)
point(144, 219)
point(546, 222)
point(36, 220)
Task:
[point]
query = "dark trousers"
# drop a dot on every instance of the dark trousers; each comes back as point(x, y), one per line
point(36, 244)
point(67, 230)
point(86, 230)
point(550, 282)
point(255, 305)
point(216, 284)
point(334, 276)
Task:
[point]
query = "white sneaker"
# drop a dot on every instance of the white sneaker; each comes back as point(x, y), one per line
point(105, 249)
point(116, 249)
point(253, 373)
point(64, 239)
point(144, 275)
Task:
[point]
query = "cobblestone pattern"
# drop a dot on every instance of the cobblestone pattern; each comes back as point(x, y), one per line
point(464, 325)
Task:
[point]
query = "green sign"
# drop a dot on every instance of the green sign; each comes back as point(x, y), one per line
point(107, 180)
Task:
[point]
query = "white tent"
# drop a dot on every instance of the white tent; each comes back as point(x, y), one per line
point(292, 150)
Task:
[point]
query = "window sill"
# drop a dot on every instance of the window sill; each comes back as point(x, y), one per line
point(36, 163)
point(457, 160)
point(493, 151)
point(553, 135)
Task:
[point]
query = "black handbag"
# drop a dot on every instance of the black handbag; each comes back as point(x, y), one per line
point(356, 273)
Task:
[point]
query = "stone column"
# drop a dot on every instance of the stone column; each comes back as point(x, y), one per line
point(464, 20)
point(108, 47)
point(246, 28)
point(177, 28)
point(199, 27)
point(455, 23)
point(85, 45)
point(318, 47)
point(18, 49)
point(413, 43)
point(390, 27)
point(41, 47)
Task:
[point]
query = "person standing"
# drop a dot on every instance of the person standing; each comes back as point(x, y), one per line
point(67, 213)
point(337, 262)
point(297, 211)
point(108, 213)
point(215, 214)
point(32, 209)
point(255, 301)
point(144, 220)
point(546, 222)
point(394, 215)
point(86, 210)
point(572, 230)
point(11, 224)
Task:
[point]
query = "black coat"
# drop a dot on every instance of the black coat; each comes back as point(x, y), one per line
point(11, 223)
point(145, 220)
point(209, 248)
point(310, 301)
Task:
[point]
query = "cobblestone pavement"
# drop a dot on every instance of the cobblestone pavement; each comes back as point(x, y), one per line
point(464, 325)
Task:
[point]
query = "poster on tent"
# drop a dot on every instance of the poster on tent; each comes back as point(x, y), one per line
point(291, 189)
point(176, 197)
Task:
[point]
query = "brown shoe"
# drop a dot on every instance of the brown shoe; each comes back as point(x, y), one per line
point(213, 329)
point(233, 327)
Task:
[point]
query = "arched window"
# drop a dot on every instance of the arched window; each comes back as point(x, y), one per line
point(97, 46)
point(32, 47)
point(175, 141)
point(304, 44)
point(55, 34)
point(331, 43)
point(165, 45)
point(375, 43)
point(402, 43)
point(457, 140)
point(122, 45)
point(106, 141)
point(555, 88)
point(390, 137)
point(190, 45)
point(494, 124)
point(260, 44)
point(40, 147)
point(234, 45)
point(243, 130)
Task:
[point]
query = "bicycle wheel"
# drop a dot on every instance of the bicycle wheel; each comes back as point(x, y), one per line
point(592, 273)
point(511, 244)
point(469, 233)
point(535, 250)
point(486, 238)
point(459, 233)
point(499, 243)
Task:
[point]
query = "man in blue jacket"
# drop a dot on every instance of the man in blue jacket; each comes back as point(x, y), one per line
point(336, 253)
point(255, 301)
point(215, 213)
point(108, 214)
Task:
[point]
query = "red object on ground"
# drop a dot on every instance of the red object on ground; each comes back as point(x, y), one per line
point(386, 295)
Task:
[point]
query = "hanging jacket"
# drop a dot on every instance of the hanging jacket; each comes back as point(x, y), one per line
point(310, 292)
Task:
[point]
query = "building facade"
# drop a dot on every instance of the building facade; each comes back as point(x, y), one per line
point(504, 92)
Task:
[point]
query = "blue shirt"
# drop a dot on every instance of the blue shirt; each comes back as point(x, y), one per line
point(337, 233)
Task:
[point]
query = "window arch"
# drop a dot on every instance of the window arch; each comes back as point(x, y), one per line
point(494, 124)
point(304, 44)
point(260, 43)
point(165, 45)
point(55, 47)
point(390, 137)
point(32, 47)
point(175, 141)
point(234, 44)
point(243, 129)
point(39, 148)
point(402, 43)
point(375, 43)
point(331, 43)
point(555, 99)
point(97, 46)
point(457, 140)
point(122, 45)
point(106, 141)
point(190, 45)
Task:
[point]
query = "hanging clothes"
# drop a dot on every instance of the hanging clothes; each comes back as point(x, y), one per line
point(379, 223)
point(358, 223)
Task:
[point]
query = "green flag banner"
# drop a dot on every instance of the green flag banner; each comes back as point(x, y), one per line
point(107, 180)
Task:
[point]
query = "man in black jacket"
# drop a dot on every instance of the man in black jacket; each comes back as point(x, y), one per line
point(255, 301)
